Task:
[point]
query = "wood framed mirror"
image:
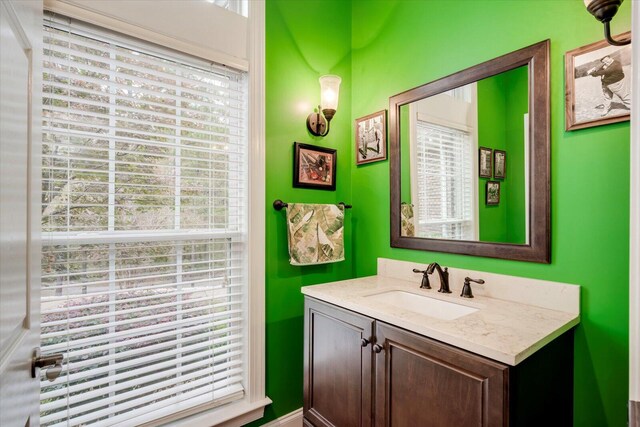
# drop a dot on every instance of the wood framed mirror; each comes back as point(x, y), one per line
point(469, 160)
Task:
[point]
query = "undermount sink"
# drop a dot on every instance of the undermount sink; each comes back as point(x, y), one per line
point(422, 304)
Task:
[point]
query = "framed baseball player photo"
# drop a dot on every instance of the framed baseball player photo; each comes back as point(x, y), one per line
point(597, 84)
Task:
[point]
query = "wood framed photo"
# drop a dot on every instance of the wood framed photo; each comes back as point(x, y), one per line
point(492, 195)
point(314, 167)
point(371, 138)
point(499, 164)
point(484, 162)
point(597, 84)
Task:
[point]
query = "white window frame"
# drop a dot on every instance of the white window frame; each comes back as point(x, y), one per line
point(204, 30)
point(465, 120)
point(252, 32)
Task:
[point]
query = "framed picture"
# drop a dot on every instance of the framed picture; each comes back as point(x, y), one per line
point(492, 195)
point(371, 138)
point(597, 84)
point(499, 164)
point(314, 167)
point(484, 162)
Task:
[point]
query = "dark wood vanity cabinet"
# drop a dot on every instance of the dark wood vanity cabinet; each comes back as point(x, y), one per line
point(421, 382)
point(398, 378)
point(338, 379)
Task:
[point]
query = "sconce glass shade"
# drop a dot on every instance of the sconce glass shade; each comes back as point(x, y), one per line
point(329, 92)
point(318, 124)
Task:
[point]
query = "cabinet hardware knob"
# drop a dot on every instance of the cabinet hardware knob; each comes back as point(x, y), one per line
point(377, 348)
point(364, 342)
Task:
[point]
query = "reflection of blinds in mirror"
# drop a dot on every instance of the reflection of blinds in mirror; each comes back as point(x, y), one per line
point(462, 93)
point(445, 182)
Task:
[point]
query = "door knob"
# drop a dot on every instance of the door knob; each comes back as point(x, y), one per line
point(364, 342)
point(53, 363)
point(377, 348)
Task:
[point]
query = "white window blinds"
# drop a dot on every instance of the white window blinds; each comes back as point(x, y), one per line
point(144, 231)
point(445, 182)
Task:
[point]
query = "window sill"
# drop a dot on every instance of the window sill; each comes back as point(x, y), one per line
point(237, 414)
point(231, 415)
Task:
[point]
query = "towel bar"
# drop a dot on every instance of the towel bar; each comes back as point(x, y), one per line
point(279, 204)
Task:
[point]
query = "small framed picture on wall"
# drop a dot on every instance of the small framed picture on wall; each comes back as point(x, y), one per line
point(314, 167)
point(484, 162)
point(371, 138)
point(499, 164)
point(492, 196)
point(597, 84)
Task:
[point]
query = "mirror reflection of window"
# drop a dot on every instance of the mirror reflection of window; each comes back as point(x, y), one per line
point(462, 93)
point(443, 134)
point(444, 207)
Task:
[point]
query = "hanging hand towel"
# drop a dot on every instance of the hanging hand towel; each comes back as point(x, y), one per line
point(407, 227)
point(315, 233)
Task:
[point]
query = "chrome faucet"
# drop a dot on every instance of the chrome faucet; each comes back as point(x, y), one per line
point(444, 276)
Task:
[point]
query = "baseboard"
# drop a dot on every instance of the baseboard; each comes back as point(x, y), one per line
point(634, 413)
point(292, 419)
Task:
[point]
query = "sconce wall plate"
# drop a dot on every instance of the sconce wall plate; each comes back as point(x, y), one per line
point(317, 124)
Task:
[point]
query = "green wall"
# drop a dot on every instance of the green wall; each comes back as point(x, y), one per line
point(381, 48)
point(401, 44)
point(502, 103)
point(305, 39)
point(518, 104)
point(492, 134)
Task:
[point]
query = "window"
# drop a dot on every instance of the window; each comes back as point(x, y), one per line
point(238, 6)
point(444, 182)
point(144, 220)
point(462, 93)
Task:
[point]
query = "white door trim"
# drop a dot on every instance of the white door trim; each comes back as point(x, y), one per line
point(634, 230)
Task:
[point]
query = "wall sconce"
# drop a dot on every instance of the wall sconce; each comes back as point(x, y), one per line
point(318, 124)
point(604, 11)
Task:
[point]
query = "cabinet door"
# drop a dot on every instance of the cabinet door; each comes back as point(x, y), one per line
point(421, 382)
point(338, 366)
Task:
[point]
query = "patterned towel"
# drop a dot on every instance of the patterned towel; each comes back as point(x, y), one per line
point(315, 233)
point(407, 228)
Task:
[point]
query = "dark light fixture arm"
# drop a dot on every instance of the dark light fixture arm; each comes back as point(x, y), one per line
point(319, 120)
point(604, 11)
point(611, 40)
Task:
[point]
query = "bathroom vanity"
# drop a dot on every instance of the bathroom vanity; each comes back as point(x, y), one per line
point(381, 351)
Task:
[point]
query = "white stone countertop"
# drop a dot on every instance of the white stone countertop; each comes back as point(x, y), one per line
point(502, 330)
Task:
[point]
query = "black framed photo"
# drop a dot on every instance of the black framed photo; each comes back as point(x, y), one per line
point(492, 194)
point(484, 162)
point(314, 167)
point(371, 138)
point(597, 84)
point(499, 164)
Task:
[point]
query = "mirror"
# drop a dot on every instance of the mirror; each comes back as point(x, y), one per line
point(469, 159)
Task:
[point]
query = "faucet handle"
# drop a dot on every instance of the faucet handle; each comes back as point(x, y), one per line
point(466, 288)
point(425, 278)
